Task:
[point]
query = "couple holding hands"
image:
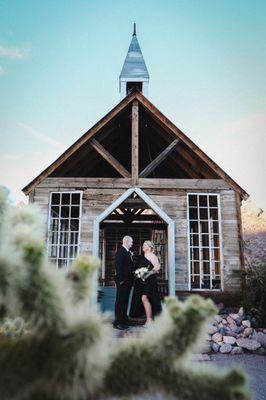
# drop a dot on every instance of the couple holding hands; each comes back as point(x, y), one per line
point(142, 277)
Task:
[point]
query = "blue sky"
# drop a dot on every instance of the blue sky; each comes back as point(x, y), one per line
point(59, 68)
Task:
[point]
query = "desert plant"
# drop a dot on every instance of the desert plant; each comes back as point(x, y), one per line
point(254, 293)
point(68, 351)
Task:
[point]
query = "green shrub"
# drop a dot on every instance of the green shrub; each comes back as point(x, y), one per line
point(254, 296)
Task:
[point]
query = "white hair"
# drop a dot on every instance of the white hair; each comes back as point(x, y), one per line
point(127, 238)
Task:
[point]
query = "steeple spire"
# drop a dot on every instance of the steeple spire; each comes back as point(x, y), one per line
point(134, 73)
point(134, 31)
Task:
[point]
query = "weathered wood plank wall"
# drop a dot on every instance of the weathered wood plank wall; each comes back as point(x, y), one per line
point(98, 195)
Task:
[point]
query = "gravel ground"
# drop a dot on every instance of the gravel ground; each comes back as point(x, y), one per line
point(253, 365)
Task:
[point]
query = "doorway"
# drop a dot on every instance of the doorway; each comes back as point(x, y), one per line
point(111, 236)
point(135, 214)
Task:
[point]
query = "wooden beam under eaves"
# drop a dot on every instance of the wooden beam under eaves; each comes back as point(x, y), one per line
point(159, 159)
point(109, 158)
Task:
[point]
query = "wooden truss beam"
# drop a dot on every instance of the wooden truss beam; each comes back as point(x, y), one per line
point(166, 124)
point(135, 204)
point(197, 164)
point(159, 159)
point(135, 143)
point(109, 158)
point(151, 217)
point(87, 151)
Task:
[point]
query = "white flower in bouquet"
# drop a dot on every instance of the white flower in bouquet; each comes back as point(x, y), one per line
point(141, 272)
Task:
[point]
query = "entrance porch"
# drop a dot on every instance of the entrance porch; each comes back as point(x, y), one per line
point(136, 215)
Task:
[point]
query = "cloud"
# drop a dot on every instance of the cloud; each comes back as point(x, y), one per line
point(2, 70)
point(14, 53)
point(41, 137)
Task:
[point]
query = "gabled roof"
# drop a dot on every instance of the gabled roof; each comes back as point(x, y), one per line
point(134, 64)
point(160, 118)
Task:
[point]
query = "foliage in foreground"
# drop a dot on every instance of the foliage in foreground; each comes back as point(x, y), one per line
point(67, 351)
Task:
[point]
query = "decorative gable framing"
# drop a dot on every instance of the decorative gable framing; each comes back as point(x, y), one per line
point(169, 139)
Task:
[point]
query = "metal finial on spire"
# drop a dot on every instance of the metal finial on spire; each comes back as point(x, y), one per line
point(134, 30)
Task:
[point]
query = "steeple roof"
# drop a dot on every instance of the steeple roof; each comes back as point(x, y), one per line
point(134, 64)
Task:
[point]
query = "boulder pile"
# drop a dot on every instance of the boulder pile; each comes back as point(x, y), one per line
point(235, 334)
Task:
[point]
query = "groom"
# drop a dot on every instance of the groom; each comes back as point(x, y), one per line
point(124, 281)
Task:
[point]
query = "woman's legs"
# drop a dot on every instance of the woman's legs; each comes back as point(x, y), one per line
point(147, 307)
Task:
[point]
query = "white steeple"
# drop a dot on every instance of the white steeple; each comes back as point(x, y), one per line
point(134, 73)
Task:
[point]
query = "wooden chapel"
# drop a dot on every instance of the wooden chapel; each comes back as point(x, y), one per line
point(134, 172)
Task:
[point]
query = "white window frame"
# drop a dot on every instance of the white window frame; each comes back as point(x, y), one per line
point(49, 219)
point(220, 241)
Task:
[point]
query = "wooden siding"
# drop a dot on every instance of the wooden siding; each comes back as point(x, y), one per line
point(171, 200)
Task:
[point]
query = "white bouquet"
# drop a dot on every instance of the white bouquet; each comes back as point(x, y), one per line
point(141, 272)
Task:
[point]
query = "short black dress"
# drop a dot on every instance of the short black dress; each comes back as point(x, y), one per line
point(148, 287)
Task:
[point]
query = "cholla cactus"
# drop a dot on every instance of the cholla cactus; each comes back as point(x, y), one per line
point(67, 351)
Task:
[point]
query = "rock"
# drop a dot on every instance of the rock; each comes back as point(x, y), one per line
point(223, 316)
point(224, 321)
point(235, 329)
point(230, 320)
point(215, 347)
point(231, 333)
point(218, 318)
point(246, 323)
point(260, 337)
point(234, 316)
point(237, 350)
point(248, 331)
point(241, 312)
point(260, 351)
point(238, 321)
point(208, 337)
point(226, 348)
point(212, 329)
point(229, 339)
point(217, 337)
point(264, 330)
point(248, 344)
point(224, 330)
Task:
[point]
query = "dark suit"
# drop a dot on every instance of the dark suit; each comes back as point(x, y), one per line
point(124, 281)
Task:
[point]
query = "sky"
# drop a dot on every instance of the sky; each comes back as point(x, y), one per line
point(60, 62)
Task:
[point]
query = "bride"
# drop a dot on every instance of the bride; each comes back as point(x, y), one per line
point(145, 298)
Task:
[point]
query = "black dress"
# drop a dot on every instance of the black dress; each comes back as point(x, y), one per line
point(148, 287)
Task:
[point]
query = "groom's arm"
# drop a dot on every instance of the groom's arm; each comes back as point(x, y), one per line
point(119, 258)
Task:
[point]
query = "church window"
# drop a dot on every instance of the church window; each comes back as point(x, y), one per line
point(64, 227)
point(204, 241)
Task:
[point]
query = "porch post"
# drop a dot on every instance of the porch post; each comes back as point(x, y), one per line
point(171, 257)
point(95, 252)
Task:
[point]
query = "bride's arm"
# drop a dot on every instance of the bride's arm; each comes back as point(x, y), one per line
point(155, 263)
